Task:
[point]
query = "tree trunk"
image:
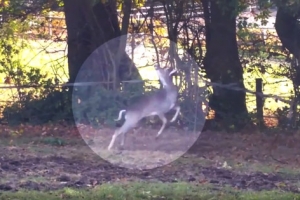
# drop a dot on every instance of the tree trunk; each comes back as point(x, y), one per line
point(222, 63)
point(90, 26)
point(78, 36)
point(288, 30)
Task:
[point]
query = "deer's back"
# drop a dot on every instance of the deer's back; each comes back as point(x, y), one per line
point(157, 102)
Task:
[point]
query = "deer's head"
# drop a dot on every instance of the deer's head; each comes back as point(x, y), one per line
point(165, 74)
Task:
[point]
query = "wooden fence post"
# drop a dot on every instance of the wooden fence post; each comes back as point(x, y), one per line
point(50, 23)
point(259, 103)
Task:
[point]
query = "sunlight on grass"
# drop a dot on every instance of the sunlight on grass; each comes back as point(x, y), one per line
point(49, 56)
point(272, 85)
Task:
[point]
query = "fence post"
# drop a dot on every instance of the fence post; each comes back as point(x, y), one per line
point(259, 103)
point(50, 23)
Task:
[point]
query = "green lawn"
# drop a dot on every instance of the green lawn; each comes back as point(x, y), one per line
point(272, 86)
point(36, 55)
point(142, 190)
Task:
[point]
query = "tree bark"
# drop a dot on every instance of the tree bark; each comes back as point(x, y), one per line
point(288, 30)
point(90, 26)
point(78, 37)
point(222, 63)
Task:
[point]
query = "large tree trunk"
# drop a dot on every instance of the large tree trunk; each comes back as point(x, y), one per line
point(90, 26)
point(288, 30)
point(222, 63)
point(78, 35)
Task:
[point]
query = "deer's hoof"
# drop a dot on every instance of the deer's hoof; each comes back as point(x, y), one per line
point(109, 147)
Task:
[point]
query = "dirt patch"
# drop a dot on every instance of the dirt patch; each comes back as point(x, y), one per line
point(142, 139)
point(59, 172)
point(243, 161)
point(142, 152)
point(52, 172)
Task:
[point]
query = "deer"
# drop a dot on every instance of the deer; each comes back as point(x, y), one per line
point(158, 103)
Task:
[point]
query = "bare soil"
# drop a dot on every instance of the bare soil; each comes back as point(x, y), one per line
point(251, 161)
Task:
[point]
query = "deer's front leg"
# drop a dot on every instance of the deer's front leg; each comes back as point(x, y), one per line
point(177, 108)
point(115, 135)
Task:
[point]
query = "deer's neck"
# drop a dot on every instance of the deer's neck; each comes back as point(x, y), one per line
point(169, 87)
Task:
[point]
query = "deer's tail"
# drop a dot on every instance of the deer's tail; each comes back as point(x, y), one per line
point(120, 115)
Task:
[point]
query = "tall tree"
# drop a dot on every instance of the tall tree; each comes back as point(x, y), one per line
point(91, 24)
point(288, 27)
point(288, 30)
point(222, 62)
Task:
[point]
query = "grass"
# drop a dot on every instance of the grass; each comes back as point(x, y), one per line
point(36, 55)
point(142, 190)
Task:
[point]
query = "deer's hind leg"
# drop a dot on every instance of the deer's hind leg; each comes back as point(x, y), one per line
point(177, 108)
point(129, 124)
point(164, 120)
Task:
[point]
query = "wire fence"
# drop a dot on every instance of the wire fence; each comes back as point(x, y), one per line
point(262, 102)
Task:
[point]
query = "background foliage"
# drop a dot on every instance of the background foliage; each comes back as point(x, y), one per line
point(27, 32)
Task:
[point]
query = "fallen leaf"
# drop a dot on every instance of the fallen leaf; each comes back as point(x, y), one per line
point(44, 133)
